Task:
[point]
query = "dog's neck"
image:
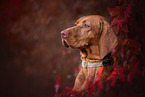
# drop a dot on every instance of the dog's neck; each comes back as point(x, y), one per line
point(90, 53)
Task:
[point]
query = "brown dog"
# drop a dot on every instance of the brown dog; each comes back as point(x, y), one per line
point(95, 39)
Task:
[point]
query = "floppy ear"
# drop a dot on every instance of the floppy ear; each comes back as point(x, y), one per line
point(108, 40)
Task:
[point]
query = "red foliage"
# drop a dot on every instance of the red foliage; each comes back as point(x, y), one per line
point(126, 60)
point(118, 73)
point(57, 86)
point(97, 80)
point(69, 93)
point(132, 73)
point(99, 84)
point(112, 76)
point(121, 17)
point(130, 76)
point(113, 82)
point(91, 88)
point(100, 71)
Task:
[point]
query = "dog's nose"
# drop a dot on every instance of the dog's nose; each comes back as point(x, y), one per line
point(64, 33)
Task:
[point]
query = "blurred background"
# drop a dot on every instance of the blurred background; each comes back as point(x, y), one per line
point(31, 53)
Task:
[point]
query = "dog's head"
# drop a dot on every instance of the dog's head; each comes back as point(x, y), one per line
point(90, 32)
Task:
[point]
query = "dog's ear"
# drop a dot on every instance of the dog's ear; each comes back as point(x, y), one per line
point(108, 40)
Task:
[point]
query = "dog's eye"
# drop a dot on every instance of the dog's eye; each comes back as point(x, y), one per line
point(86, 26)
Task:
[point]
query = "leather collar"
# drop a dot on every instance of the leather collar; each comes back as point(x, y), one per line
point(86, 64)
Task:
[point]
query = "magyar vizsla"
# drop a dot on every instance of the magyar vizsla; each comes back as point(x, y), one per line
point(95, 38)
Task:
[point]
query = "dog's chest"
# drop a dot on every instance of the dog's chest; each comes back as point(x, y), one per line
point(91, 72)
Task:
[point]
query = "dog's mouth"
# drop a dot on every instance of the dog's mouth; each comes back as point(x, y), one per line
point(65, 43)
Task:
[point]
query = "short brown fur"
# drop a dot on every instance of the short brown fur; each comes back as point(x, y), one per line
point(95, 38)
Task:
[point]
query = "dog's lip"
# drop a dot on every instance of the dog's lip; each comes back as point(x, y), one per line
point(65, 43)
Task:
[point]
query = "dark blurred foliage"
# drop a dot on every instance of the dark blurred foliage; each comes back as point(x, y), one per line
point(33, 62)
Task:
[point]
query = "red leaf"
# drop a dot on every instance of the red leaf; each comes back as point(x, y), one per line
point(88, 85)
point(120, 23)
point(112, 76)
point(113, 82)
point(100, 71)
point(114, 21)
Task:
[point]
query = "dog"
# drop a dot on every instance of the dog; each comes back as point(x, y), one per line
point(95, 39)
